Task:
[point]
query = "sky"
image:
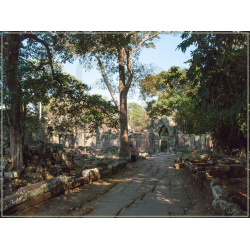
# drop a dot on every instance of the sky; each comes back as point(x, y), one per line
point(163, 56)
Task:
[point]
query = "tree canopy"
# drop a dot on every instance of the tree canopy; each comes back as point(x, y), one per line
point(117, 53)
point(219, 66)
point(210, 96)
point(32, 73)
point(137, 117)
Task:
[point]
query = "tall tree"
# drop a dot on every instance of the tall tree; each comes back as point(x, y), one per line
point(31, 74)
point(122, 48)
point(172, 89)
point(15, 56)
point(219, 65)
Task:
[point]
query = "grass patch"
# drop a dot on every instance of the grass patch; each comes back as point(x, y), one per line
point(189, 154)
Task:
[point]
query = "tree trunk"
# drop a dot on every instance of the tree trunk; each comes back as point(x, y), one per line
point(124, 146)
point(16, 151)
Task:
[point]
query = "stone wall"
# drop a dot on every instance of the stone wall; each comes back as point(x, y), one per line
point(149, 139)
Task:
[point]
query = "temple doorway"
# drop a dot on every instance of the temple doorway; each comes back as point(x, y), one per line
point(164, 145)
point(163, 131)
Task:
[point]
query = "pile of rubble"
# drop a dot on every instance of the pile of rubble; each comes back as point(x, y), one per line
point(42, 162)
point(207, 168)
point(110, 150)
point(223, 203)
point(47, 160)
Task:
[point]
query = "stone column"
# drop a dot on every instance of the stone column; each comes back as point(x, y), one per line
point(76, 141)
point(98, 140)
point(156, 143)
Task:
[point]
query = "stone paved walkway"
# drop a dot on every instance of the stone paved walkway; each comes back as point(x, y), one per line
point(153, 189)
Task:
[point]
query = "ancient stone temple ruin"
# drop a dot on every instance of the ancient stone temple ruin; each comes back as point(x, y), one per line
point(149, 139)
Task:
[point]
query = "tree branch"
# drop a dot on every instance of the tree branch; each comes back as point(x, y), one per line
point(144, 40)
point(107, 81)
point(46, 45)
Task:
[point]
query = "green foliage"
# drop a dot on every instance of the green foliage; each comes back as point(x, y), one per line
point(40, 79)
point(137, 116)
point(107, 47)
point(164, 132)
point(219, 66)
point(174, 92)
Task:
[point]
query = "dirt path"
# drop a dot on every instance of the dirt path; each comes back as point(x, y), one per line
point(153, 189)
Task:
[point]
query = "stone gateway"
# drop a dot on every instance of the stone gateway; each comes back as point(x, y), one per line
point(149, 139)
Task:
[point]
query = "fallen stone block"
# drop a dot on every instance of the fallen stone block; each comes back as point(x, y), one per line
point(12, 200)
point(220, 193)
point(53, 186)
point(223, 207)
point(191, 167)
point(12, 175)
point(215, 182)
point(94, 174)
point(86, 175)
point(42, 187)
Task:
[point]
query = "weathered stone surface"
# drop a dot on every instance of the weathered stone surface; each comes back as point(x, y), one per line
point(42, 187)
point(223, 207)
point(86, 175)
point(191, 167)
point(94, 174)
point(220, 193)
point(11, 175)
point(215, 182)
point(204, 157)
point(12, 200)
